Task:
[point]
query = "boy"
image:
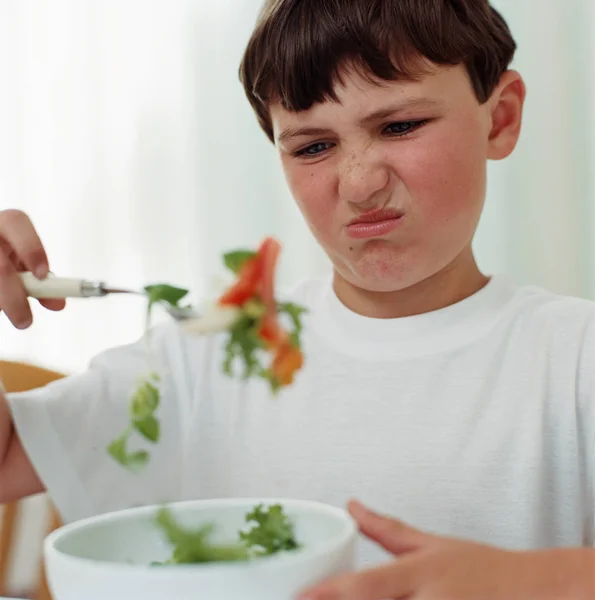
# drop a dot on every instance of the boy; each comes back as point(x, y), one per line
point(460, 403)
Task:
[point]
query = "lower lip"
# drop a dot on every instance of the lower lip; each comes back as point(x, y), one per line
point(371, 230)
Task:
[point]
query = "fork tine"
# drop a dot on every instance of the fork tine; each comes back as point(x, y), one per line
point(121, 291)
point(183, 314)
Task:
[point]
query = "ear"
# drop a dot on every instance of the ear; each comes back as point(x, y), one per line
point(506, 107)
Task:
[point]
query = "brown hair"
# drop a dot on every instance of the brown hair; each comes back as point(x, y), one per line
point(298, 47)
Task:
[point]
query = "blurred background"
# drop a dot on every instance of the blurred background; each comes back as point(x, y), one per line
point(126, 136)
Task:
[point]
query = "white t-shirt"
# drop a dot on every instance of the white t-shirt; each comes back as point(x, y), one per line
point(476, 421)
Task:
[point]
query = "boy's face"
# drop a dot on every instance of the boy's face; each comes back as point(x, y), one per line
point(416, 151)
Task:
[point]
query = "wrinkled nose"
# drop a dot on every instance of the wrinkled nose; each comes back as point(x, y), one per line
point(362, 178)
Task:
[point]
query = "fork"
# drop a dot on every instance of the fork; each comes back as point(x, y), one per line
point(72, 287)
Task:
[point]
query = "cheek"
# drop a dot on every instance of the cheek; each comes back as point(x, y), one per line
point(314, 189)
point(446, 176)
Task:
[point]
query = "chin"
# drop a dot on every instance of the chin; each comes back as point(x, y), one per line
point(382, 271)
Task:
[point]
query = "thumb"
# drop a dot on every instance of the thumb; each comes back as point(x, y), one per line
point(392, 535)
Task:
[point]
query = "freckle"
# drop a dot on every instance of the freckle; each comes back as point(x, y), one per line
point(350, 248)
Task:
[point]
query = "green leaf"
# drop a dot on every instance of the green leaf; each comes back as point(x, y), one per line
point(194, 546)
point(137, 460)
point(162, 292)
point(243, 345)
point(273, 531)
point(145, 401)
point(235, 260)
point(143, 405)
point(273, 382)
point(165, 293)
point(148, 428)
point(117, 449)
point(295, 313)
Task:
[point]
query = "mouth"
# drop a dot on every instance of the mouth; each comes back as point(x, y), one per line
point(375, 224)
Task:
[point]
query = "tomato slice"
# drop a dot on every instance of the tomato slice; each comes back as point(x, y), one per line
point(270, 330)
point(247, 284)
point(269, 254)
point(288, 359)
point(257, 276)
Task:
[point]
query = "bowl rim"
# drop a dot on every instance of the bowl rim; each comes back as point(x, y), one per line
point(281, 560)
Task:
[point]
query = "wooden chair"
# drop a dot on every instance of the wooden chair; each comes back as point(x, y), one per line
point(21, 377)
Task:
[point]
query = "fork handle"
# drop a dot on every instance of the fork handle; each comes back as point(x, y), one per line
point(56, 287)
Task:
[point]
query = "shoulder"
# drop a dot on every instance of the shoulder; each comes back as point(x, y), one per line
point(535, 307)
point(559, 327)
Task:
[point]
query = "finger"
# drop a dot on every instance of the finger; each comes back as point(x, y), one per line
point(54, 304)
point(18, 231)
point(389, 581)
point(392, 535)
point(13, 298)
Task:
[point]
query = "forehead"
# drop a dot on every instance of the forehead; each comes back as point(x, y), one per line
point(359, 95)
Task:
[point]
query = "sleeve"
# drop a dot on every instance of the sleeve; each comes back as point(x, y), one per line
point(586, 428)
point(66, 427)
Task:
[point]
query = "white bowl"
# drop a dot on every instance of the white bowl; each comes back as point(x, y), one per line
point(108, 557)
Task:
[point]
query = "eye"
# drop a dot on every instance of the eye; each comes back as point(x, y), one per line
point(402, 128)
point(314, 150)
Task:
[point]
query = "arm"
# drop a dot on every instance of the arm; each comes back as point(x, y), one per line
point(59, 434)
point(434, 567)
point(20, 248)
point(17, 475)
point(56, 437)
point(564, 573)
point(5, 430)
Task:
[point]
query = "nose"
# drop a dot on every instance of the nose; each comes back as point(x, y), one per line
point(362, 177)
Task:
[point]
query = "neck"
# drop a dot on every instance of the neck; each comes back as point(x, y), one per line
point(459, 280)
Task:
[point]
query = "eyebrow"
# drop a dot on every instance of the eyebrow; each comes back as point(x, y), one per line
point(377, 115)
point(294, 132)
point(389, 111)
